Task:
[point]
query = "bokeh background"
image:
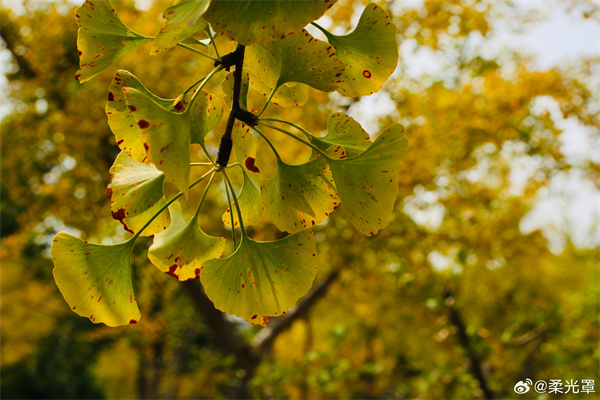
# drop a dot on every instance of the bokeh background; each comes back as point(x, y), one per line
point(487, 274)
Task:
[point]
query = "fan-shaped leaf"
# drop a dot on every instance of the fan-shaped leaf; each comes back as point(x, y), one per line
point(136, 194)
point(183, 21)
point(345, 137)
point(250, 198)
point(102, 38)
point(167, 136)
point(127, 132)
point(300, 196)
point(288, 94)
point(95, 279)
point(367, 184)
point(183, 247)
point(297, 58)
point(262, 278)
point(370, 53)
point(252, 21)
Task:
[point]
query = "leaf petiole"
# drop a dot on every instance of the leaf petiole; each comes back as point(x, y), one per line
point(268, 101)
point(315, 148)
point(185, 46)
point(212, 41)
point(319, 27)
point(204, 82)
point(201, 164)
point(204, 193)
point(163, 208)
point(269, 143)
point(237, 206)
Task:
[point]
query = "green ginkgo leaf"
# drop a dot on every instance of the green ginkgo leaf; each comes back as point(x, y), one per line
point(370, 53)
point(167, 135)
point(297, 58)
point(288, 94)
point(95, 279)
point(262, 279)
point(250, 198)
point(183, 247)
point(367, 184)
point(136, 195)
point(120, 119)
point(102, 39)
point(345, 137)
point(183, 21)
point(257, 21)
point(300, 196)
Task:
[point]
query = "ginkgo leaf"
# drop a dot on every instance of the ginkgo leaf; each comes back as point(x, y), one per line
point(370, 53)
point(136, 195)
point(183, 247)
point(227, 86)
point(167, 136)
point(250, 198)
point(95, 279)
point(120, 119)
point(102, 39)
point(345, 137)
point(367, 184)
point(300, 196)
point(297, 58)
point(252, 21)
point(183, 21)
point(262, 279)
point(288, 94)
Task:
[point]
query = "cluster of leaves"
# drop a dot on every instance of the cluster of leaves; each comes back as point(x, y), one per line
point(276, 56)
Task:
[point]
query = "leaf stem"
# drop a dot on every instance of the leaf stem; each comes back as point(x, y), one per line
point(192, 86)
point(298, 138)
point(268, 101)
point(269, 143)
point(204, 82)
point(231, 213)
point(185, 46)
point(163, 208)
point(237, 206)
point(201, 164)
point(204, 193)
point(212, 41)
point(319, 27)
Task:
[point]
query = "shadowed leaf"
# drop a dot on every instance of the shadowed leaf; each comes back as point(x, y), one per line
point(300, 196)
point(183, 247)
point(102, 38)
point(120, 118)
point(95, 279)
point(183, 21)
point(297, 58)
point(367, 184)
point(288, 94)
point(262, 278)
point(136, 194)
point(370, 53)
point(251, 21)
point(345, 137)
point(250, 197)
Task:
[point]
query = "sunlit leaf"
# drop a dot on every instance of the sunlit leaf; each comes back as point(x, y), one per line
point(183, 21)
point(262, 278)
point(183, 247)
point(297, 58)
point(167, 135)
point(251, 21)
point(250, 197)
point(136, 194)
point(95, 279)
point(367, 184)
point(345, 137)
point(300, 196)
point(120, 118)
point(370, 53)
point(288, 94)
point(102, 39)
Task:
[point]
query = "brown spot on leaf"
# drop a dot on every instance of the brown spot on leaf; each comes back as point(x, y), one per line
point(132, 108)
point(250, 165)
point(133, 321)
point(367, 73)
point(111, 96)
point(172, 270)
point(143, 123)
point(108, 192)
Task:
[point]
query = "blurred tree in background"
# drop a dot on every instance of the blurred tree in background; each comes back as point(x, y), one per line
point(452, 300)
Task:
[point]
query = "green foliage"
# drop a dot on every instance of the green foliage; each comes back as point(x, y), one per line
point(156, 136)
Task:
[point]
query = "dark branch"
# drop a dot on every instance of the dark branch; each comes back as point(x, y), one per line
point(465, 342)
point(264, 339)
